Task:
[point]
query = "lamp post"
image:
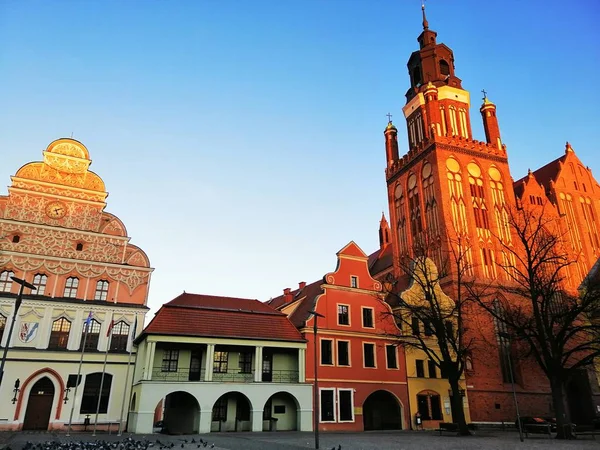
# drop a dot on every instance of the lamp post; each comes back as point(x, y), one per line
point(24, 284)
point(316, 315)
point(512, 382)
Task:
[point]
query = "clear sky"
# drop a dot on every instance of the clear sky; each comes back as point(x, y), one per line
point(242, 141)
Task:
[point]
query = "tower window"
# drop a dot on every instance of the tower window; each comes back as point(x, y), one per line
point(16, 238)
point(444, 67)
point(416, 76)
point(79, 247)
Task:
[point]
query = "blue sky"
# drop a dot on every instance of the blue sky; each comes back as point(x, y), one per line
point(242, 141)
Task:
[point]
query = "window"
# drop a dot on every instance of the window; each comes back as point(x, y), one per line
point(326, 351)
point(79, 247)
point(367, 317)
point(279, 409)
point(432, 369)
point(343, 315)
point(120, 336)
point(6, 281)
point(91, 392)
point(353, 281)
point(93, 335)
point(345, 405)
point(444, 67)
point(428, 328)
point(59, 336)
point(39, 281)
point(391, 356)
point(415, 326)
point(343, 353)
point(101, 290)
point(71, 287)
point(170, 361)
point(220, 362)
point(327, 405)
point(2, 326)
point(16, 238)
point(219, 412)
point(429, 406)
point(369, 354)
point(449, 329)
point(420, 368)
point(245, 362)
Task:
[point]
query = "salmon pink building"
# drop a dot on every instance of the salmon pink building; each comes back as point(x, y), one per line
point(361, 372)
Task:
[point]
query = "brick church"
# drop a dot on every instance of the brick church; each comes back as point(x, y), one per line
point(447, 182)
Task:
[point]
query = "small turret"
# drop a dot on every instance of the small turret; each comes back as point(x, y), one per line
point(384, 231)
point(391, 142)
point(490, 122)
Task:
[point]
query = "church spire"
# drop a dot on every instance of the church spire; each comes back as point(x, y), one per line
point(425, 23)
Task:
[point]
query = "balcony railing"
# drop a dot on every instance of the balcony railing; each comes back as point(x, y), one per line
point(231, 376)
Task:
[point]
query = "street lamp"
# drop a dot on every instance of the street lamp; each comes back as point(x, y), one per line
point(316, 388)
point(512, 382)
point(24, 284)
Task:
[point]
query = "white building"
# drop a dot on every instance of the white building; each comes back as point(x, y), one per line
point(55, 234)
point(220, 364)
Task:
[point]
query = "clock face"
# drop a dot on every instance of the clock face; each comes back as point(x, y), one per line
point(56, 210)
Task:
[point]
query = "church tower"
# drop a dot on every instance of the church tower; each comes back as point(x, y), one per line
point(447, 185)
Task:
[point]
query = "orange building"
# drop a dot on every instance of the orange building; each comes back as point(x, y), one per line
point(56, 234)
point(449, 183)
point(361, 373)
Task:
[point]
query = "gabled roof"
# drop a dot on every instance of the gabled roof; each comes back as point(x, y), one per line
point(226, 317)
point(381, 260)
point(545, 174)
point(306, 302)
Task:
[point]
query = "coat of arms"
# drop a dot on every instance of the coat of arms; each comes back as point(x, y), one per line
point(28, 331)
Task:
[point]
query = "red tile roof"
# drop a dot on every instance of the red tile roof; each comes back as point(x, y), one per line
point(227, 317)
point(306, 298)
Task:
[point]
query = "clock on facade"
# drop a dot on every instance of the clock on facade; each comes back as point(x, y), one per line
point(56, 210)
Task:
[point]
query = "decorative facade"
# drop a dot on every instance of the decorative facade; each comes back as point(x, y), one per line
point(361, 372)
point(56, 234)
point(450, 186)
point(220, 364)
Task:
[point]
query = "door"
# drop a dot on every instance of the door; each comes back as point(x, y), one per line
point(39, 405)
point(267, 367)
point(195, 362)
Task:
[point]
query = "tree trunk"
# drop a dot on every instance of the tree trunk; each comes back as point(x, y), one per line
point(458, 411)
point(563, 428)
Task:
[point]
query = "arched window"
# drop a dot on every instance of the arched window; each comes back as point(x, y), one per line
point(458, 209)
point(120, 336)
point(453, 125)
point(101, 290)
point(444, 67)
point(443, 116)
point(414, 206)
point(566, 203)
point(501, 215)
point(590, 222)
point(416, 76)
point(504, 343)
point(5, 280)
point(400, 201)
point(71, 287)
point(464, 129)
point(482, 221)
point(91, 392)
point(429, 405)
point(39, 281)
point(93, 335)
point(59, 336)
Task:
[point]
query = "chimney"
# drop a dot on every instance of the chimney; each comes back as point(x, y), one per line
point(301, 285)
point(287, 293)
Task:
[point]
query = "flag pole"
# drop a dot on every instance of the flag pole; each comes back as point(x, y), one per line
point(78, 380)
point(110, 328)
point(127, 378)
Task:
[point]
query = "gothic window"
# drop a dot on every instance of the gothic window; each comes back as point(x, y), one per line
point(414, 206)
point(444, 67)
point(71, 287)
point(588, 216)
point(6, 281)
point(39, 281)
point(93, 335)
point(120, 335)
point(412, 134)
point(504, 344)
point(431, 207)
point(101, 290)
point(400, 201)
point(443, 115)
point(458, 208)
point(480, 211)
point(91, 392)
point(488, 262)
point(464, 130)
point(419, 121)
point(453, 125)
point(59, 336)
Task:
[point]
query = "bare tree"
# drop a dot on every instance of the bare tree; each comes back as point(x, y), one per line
point(538, 307)
point(428, 319)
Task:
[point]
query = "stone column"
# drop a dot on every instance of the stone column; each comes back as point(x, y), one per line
point(258, 356)
point(208, 373)
point(301, 365)
point(150, 350)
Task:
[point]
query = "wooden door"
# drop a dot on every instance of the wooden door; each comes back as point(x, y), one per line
point(39, 405)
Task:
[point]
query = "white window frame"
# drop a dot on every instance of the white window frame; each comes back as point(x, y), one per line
point(338, 315)
point(387, 361)
point(339, 403)
point(333, 352)
point(335, 416)
point(374, 355)
point(372, 317)
point(337, 362)
point(355, 279)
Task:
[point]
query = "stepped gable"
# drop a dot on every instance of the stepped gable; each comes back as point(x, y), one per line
point(223, 317)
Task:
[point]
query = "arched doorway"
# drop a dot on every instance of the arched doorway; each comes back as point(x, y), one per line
point(280, 413)
point(181, 413)
point(231, 412)
point(39, 405)
point(381, 411)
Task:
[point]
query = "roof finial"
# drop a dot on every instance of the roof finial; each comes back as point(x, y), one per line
point(425, 23)
point(483, 91)
point(389, 116)
point(568, 147)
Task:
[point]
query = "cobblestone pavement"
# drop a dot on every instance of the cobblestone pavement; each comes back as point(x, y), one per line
point(406, 440)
